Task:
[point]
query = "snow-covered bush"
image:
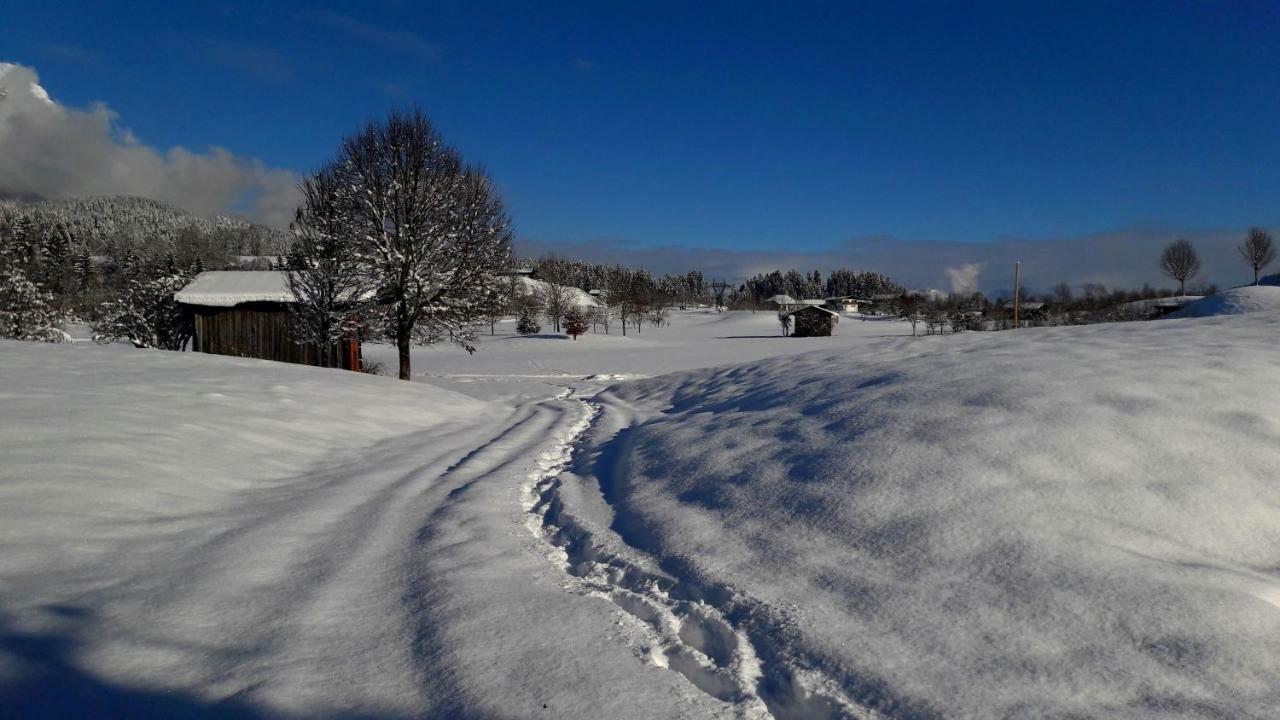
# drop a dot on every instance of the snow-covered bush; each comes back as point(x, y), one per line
point(146, 315)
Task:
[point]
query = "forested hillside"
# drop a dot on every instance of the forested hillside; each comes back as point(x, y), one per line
point(84, 251)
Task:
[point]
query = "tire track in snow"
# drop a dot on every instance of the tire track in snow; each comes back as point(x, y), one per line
point(719, 640)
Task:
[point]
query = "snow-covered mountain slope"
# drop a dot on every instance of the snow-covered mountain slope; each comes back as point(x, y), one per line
point(1235, 301)
point(1058, 522)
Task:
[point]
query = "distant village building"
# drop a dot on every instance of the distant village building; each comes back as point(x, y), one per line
point(812, 321)
point(784, 303)
point(246, 314)
point(881, 303)
point(845, 303)
point(1033, 311)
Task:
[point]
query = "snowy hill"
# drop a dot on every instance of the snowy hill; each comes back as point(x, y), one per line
point(1053, 522)
point(574, 296)
point(1235, 301)
point(1067, 522)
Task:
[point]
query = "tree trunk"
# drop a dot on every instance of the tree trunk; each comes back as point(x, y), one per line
point(402, 344)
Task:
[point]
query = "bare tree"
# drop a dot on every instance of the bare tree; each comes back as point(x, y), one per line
point(908, 307)
point(1257, 251)
point(325, 270)
point(555, 301)
point(434, 234)
point(1062, 293)
point(1180, 262)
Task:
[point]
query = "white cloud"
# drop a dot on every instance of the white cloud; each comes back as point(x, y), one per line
point(54, 151)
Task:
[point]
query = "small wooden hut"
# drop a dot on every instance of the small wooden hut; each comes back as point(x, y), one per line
point(246, 313)
point(812, 321)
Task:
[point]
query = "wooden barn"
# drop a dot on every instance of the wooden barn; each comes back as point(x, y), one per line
point(812, 321)
point(246, 314)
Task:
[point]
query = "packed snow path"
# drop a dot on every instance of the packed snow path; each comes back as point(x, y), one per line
point(725, 644)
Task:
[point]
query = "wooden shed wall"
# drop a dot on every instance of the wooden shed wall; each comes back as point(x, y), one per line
point(813, 323)
point(261, 330)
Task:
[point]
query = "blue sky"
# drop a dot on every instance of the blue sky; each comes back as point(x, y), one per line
point(789, 126)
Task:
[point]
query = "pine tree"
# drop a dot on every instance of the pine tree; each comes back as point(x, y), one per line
point(85, 271)
point(171, 260)
point(527, 324)
point(55, 254)
point(25, 311)
point(131, 265)
point(576, 321)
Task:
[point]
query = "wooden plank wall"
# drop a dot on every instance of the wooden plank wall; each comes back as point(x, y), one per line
point(260, 331)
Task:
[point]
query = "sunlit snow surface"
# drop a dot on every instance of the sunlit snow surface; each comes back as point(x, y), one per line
point(1073, 522)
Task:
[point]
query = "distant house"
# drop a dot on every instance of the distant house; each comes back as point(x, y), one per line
point(880, 303)
point(246, 313)
point(1033, 310)
point(845, 303)
point(812, 321)
point(783, 302)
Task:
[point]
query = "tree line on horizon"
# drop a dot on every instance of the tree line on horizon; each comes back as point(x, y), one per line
point(399, 239)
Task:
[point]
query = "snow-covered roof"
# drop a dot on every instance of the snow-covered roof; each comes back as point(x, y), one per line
point(1177, 301)
point(227, 288)
point(573, 295)
point(811, 307)
point(783, 300)
point(1032, 305)
point(814, 302)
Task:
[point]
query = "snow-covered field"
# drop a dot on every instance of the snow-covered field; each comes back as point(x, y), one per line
point(691, 522)
point(510, 366)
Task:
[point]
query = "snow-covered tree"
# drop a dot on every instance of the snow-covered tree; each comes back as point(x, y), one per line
point(576, 321)
point(435, 235)
point(25, 311)
point(146, 315)
point(527, 323)
point(86, 273)
point(325, 269)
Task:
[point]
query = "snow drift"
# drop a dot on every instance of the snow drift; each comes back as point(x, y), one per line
point(1058, 522)
point(1235, 301)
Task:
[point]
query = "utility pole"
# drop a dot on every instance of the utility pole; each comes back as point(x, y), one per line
point(1017, 293)
point(718, 287)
